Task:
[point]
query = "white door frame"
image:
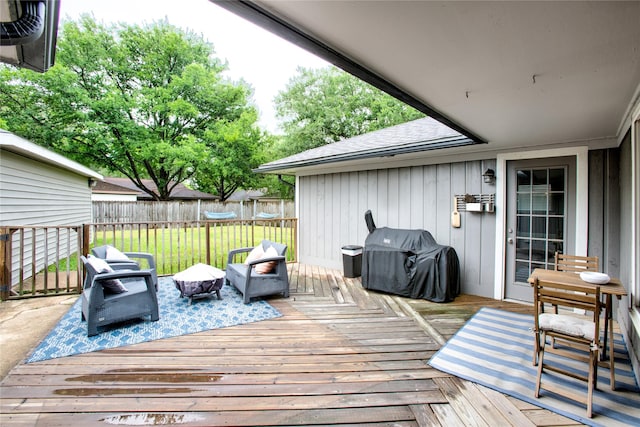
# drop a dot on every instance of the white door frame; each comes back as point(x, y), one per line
point(634, 286)
point(582, 204)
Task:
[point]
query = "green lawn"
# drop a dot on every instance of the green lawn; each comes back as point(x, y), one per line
point(177, 248)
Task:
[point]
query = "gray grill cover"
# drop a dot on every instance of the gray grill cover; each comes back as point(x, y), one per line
point(410, 263)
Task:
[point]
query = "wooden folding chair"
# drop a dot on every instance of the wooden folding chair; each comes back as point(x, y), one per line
point(576, 263)
point(579, 334)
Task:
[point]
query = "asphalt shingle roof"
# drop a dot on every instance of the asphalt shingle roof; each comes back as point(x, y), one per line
point(417, 135)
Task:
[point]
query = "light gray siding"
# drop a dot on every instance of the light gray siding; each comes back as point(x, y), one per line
point(332, 208)
point(604, 206)
point(36, 193)
point(625, 214)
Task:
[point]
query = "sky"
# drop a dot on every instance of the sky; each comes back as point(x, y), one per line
point(263, 60)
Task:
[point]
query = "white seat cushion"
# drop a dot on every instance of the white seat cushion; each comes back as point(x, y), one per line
point(255, 254)
point(101, 266)
point(267, 267)
point(570, 325)
point(114, 254)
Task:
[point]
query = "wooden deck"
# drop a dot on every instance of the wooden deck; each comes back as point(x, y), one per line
point(339, 355)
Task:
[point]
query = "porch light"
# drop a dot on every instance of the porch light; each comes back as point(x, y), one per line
point(489, 176)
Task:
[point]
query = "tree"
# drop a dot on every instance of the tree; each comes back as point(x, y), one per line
point(143, 102)
point(321, 106)
point(235, 150)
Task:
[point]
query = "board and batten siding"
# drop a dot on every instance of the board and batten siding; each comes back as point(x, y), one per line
point(34, 193)
point(332, 206)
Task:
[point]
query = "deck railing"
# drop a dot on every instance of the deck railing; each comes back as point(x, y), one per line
point(45, 260)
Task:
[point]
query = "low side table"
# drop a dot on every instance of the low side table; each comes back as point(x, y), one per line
point(199, 281)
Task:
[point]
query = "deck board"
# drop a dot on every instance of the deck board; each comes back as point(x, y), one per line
point(339, 355)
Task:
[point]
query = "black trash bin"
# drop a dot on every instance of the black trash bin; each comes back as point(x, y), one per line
point(352, 260)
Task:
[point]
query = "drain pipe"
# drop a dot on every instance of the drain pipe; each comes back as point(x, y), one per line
point(286, 182)
point(27, 29)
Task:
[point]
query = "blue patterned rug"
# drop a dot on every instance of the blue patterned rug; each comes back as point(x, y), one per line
point(495, 349)
point(177, 317)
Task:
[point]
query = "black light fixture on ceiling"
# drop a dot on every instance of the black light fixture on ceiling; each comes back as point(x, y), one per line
point(489, 176)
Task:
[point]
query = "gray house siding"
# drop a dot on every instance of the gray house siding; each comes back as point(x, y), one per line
point(35, 193)
point(626, 241)
point(604, 206)
point(332, 208)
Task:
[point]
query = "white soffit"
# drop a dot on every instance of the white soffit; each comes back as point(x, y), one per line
point(515, 73)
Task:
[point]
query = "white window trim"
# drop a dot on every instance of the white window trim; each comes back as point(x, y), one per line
point(634, 288)
point(296, 200)
point(582, 204)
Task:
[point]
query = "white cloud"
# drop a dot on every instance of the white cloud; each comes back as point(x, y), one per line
point(262, 59)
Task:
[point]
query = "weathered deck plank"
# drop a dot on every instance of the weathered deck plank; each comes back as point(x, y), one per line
point(339, 355)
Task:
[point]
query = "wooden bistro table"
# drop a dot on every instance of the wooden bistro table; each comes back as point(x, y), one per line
point(608, 290)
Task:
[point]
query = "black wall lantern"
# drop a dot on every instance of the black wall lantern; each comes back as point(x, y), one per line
point(489, 176)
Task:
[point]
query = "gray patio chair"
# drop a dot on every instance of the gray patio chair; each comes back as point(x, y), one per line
point(246, 278)
point(137, 260)
point(106, 300)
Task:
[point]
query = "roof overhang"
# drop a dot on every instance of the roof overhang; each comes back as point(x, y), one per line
point(290, 167)
point(15, 144)
point(413, 139)
point(514, 74)
point(29, 31)
point(288, 31)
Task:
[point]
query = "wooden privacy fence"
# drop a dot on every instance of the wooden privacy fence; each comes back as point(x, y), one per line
point(45, 260)
point(147, 211)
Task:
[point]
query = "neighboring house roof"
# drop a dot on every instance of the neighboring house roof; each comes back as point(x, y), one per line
point(12, 142)
point(180, 192)
point(104, 187)
point(415, 136)
point(245, 195)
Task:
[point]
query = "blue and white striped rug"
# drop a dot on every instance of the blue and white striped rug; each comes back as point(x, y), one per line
point(495, 349)
point(177, 318)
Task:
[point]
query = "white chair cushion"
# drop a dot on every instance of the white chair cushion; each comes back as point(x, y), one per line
point(267, 267)
point(114, 254)
point(569, 325)
point(255, 254)
point(101, 266)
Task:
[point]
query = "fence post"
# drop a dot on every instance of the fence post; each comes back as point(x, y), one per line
point(207, 240)
point(86, 238)
point(5, 263)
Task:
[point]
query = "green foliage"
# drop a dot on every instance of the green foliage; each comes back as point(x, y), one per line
point(140, 102)
point(325, 105)
point(235, 149)
point(276, 187)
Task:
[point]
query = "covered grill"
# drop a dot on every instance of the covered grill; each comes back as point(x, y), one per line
point(409, 263)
